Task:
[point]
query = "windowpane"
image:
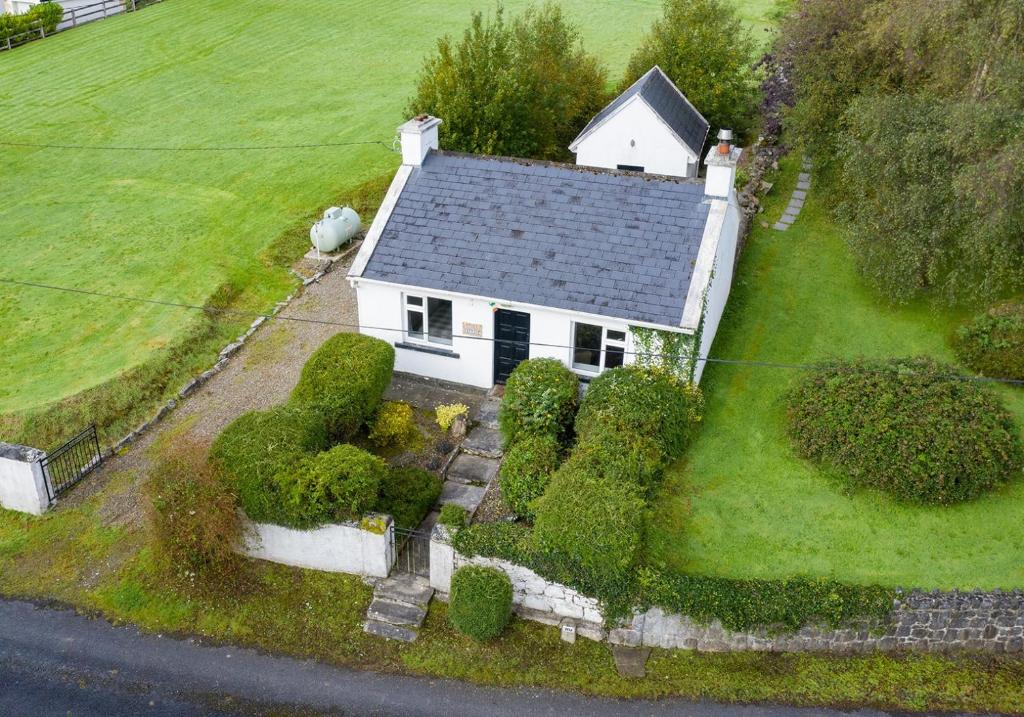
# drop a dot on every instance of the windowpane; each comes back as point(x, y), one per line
point(587, 349)
point(439, 320)
point(616, 335)
point(414, 300)
point(613, 356)
point(414, 324)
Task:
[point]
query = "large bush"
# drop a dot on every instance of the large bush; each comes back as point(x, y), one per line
point(541, 397)
point(345, 380)
point(526, 470)
point(481, 602)
point(704, 48)
point(408, 494)
point(523, 88)
point(260, 445)
point(46, 16)
point(193, 520)
point(905, 427)
point(645, 402)
point(335, 486)
point(993, 343)
point(588, 528)
point(621, 456)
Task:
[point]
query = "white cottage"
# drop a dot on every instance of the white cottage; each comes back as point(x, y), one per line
point(475, 263)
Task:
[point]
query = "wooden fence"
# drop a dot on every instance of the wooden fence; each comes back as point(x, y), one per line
point(75, 16)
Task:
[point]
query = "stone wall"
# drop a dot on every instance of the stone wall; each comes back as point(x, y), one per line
point(925, 622)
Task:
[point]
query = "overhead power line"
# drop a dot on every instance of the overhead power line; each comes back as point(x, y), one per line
point(225, 148)
point(362, 327)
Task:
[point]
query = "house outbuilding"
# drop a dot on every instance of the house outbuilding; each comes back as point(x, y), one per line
point(474, 263)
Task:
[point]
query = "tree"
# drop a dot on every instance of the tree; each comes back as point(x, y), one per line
point(705, 50)
point(523, 88)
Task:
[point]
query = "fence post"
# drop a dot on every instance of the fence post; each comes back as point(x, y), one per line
point(74, 19)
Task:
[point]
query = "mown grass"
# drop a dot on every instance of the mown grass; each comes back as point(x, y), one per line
point(742, 504)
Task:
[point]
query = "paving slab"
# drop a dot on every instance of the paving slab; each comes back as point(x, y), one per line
point(468, 496)
point(487, 414)
point(803, 186)
point(796, 201)
point(792, 209)
point(631, 662)
point(804, 177)
point(780, 227)
point(799, 194)
point(473, 470)
point(391, 632)
point(396, 613)
point(411, 589)
point(787, 218)
point(483, 441)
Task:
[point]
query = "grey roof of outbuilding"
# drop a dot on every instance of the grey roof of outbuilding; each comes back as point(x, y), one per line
point(615, 244)
point(668, 102)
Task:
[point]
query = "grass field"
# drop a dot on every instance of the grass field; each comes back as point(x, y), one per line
point(743, 505)
point(186, 226)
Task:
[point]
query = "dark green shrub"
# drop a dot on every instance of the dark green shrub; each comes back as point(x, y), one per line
point(589, 529)
point(620, 456)
point(454, 516)
point(750, 604)
point(47, 15)
point(194, 520)
point(526, 470)
point(260, 445)
point(993, 343)
point(481, 602)
point(345, 380)
point(509, 541)
point(541, 397)
point(335, 486)
point(903, 426)
point(641, 401)
point(408, 494)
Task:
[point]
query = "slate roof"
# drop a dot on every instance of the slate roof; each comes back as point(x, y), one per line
point(605, 242)
point(668, 102)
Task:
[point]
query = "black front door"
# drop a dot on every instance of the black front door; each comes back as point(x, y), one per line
point(511, 342)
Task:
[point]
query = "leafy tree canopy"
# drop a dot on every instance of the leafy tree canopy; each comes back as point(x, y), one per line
point(521, 88)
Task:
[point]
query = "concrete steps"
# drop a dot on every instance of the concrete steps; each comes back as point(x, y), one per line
point(399, 607)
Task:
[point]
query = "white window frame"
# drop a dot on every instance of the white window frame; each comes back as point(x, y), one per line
point(424, 310)
point(606, 343)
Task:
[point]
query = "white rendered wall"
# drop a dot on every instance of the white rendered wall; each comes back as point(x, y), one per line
point(656, 148)
point(22, 484)
point(381, 314)
point(721, 282)
point(337, 548)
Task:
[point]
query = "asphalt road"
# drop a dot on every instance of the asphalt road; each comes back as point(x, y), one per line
point(54, 662)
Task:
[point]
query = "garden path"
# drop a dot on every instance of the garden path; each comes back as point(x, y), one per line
point(796, 201)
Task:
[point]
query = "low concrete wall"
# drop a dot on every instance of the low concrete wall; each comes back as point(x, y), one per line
point(336, 548)
point(533, 597)
point(22, 483)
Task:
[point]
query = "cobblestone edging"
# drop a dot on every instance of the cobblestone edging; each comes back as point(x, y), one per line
point(923, 622)
point(226, 353)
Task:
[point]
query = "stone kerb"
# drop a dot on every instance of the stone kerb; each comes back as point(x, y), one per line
point(22, 483)
point(364, 548)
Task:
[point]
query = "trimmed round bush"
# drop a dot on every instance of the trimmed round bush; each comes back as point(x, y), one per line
point(904, 427)
point(480, 603)
point(621, 456)
point(541, 397)
point(407, 495)
point(526, 470)
point(590, 529)
point(258, 446)
point(335, 486)
point(345, 380)
point(642, 401)
point(993, 343)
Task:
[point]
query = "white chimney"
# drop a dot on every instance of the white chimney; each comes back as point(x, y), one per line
point(721, 163)
point(419, 136)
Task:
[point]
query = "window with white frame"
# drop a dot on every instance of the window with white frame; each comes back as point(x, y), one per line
point(428, 319)
point(596, 348)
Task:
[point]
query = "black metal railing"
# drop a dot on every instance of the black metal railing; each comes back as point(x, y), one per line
point(72, 462)
point(413, 552)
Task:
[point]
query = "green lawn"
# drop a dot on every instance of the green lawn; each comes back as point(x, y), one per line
point(178, 226)
point(743, 505)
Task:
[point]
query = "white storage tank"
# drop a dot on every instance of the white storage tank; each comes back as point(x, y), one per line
point(337, 227)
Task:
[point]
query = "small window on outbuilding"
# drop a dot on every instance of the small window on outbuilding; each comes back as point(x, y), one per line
point(629, 167)
point(596, 348)
point(428, 320)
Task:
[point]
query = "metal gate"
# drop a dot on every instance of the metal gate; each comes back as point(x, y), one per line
point(413, 550)
point(70, 463)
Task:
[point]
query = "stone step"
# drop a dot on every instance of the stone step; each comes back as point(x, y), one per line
point(468, 496)
point(473, 470)
point(487, 414)
point(483, 441)
point(395, 613)
point(409, 589)
point(390, 632)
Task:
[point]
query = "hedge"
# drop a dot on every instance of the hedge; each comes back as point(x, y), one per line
point(454, 516)
point(905, 427)
point(408, 494)
point(642, 401)
point(258, 446)
point(526, 470)
point(993, 343)
point(335, 486)
point(46, 15)
point(345, 380)
point(621, 456)
point(480, 603)
point(779, 605)
point(541, 398)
